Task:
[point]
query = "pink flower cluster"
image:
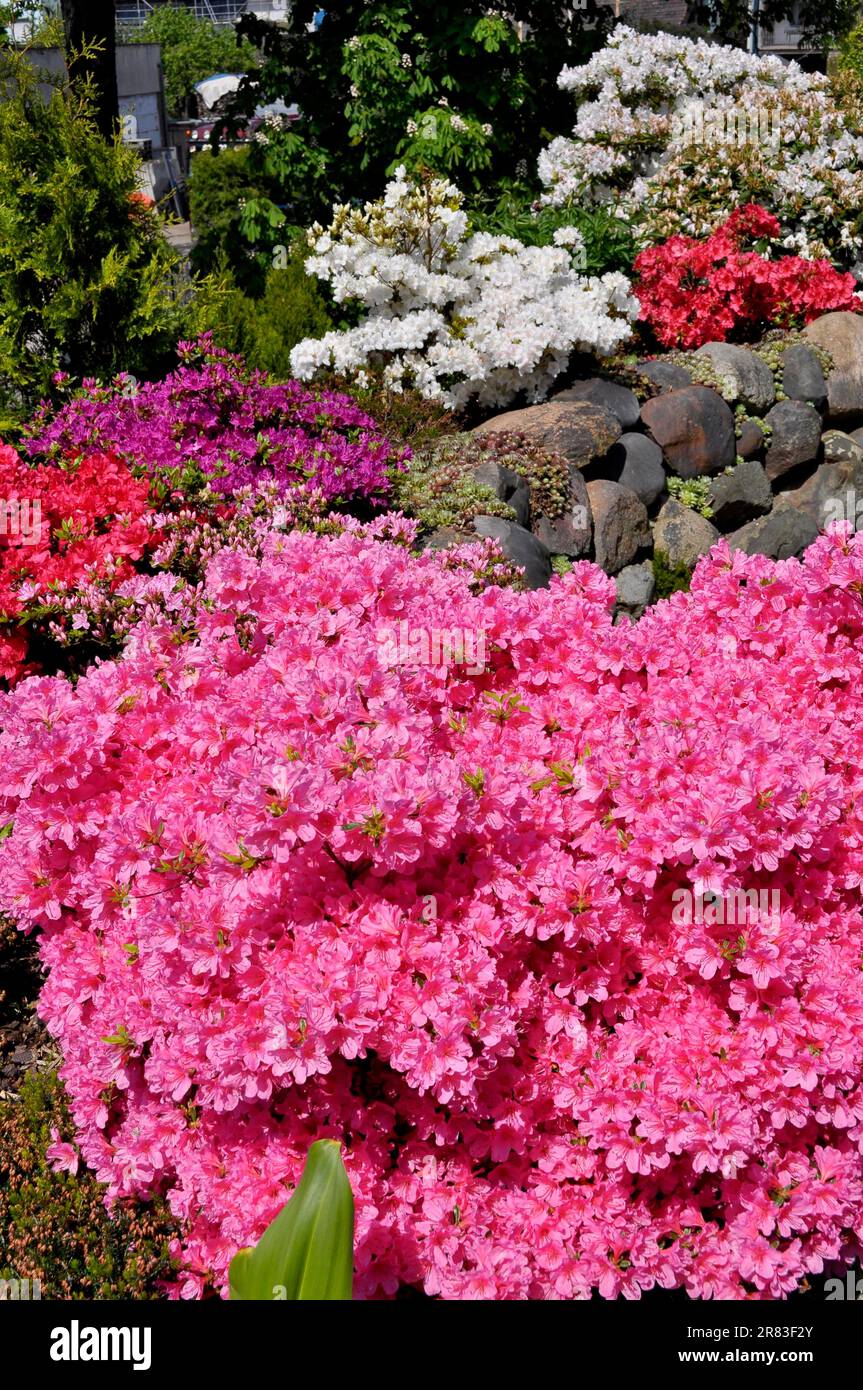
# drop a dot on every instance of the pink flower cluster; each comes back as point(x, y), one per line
point(230, 424)
point(697, 291)
point(289, 890)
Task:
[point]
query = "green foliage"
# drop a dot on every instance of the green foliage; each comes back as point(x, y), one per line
point(220, 185)
point(264, 330)
point(306, 1253)
point(822, 21)
point(45, 20)
point(670, 579)
point(546, 472)
point(54, 1226)
point(413, 81)
point(608, 239)
point(88, 283)
point(692, 492)
point(192, 49)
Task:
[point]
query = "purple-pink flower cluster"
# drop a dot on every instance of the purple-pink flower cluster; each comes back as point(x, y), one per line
point(288, 889)
point(232, 425)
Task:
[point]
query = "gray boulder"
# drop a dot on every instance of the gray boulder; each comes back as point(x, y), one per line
point(740, 495)
point(635, 586)
point(833, 493)
point(636, 462)
point(580, 430)
point(802, 376)
point(668, 376)
point(839, 447)
point(569, 534)
point(786, 532)
point(684, 535)
point(841, 334)
point(742, 375)
point(622, 402)
point(751, 440)
point(519, 546)
point(795, 438)
point(510, 487)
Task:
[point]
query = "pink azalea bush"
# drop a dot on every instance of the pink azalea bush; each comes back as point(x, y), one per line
point(217, 418)
point(289, 889)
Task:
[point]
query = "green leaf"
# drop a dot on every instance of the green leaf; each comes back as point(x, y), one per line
point(307, 1251)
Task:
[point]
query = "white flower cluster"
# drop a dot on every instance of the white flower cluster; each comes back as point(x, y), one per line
point(460, 316)
point(269, 126)
point(642, 97)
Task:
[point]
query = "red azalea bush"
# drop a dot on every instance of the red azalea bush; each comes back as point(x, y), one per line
point(294, 881)
point(695, 292)
point(60, 529)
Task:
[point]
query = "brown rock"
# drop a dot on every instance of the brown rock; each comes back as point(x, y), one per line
point(580, 430)
point(620, 525)
point(683, 534)
point(694, 428)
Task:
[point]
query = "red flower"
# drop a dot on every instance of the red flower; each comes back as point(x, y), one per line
point(694, 292)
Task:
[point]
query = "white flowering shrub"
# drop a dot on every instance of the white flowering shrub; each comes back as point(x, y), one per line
point(680, 132)
point(461, 316)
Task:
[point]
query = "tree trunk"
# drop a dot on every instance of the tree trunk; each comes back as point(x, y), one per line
point(89, 22)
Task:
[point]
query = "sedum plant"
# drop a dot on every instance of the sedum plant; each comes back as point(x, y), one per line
point(692, 492)
point(439, 488)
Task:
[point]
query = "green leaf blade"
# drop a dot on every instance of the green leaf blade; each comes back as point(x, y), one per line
point(306, 1253)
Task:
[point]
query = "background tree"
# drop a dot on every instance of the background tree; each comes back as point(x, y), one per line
point(88, 283)
point(90, 27)
point(192, 49)
point(823, 21)
point(455, 86)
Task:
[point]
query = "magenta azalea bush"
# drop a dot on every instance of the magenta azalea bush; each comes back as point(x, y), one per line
point(291, 888)
point(231, 425)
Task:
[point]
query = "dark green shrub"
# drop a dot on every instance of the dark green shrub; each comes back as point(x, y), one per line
point(220, 185)
point(379, 83)
point(405, 416)
point(264, 329)
point(608, 240)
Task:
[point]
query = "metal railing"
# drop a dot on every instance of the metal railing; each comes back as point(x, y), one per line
point(133, 13)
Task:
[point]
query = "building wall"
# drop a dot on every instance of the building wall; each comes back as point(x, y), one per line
point(140, 86)
point(652, 11)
